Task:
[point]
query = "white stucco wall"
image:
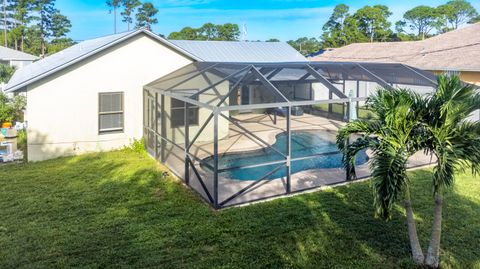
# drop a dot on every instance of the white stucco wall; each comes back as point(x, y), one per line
point(177, 134)
point(63, 109)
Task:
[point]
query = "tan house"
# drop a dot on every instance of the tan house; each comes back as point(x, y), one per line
point(455, 52)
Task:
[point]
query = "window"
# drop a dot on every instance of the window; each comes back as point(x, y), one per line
point(178, 111)
point(110, 112)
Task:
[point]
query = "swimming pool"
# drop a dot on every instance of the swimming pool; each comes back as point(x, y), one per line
point(304, 143)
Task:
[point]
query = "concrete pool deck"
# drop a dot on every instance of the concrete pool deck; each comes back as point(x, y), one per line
point(263, 127)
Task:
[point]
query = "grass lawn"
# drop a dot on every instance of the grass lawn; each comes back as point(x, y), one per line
point(116, 210)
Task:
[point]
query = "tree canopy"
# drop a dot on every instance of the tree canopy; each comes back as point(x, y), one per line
point(306, 45)
point(371, 23)
point(208, 31)
point(422, 19)
point(36, 27)
point(146, 15)
point(456, 13)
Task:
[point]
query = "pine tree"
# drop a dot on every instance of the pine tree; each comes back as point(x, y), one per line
point(114, 4)
point(127, 13)
point(21, 14)
point(46, 10)
point(4, 8)
point(146, 15)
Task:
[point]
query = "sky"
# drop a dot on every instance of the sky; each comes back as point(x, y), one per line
point(264, 19)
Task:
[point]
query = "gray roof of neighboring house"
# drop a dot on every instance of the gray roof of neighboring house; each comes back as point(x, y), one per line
point(8, 54)
point(196, 50)
point(253, 52)
point(456, 50)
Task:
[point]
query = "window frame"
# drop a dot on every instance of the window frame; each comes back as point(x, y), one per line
point(190, 106)
point(122, 112)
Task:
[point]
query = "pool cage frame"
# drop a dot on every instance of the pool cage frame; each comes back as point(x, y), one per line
point(264, 73)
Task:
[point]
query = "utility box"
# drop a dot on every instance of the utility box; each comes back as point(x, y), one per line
point(8, 145)
point(8, 133)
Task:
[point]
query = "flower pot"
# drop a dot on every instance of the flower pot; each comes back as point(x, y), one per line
point(6, 124)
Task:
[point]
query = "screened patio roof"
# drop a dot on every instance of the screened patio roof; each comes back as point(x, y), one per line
point(209, 84)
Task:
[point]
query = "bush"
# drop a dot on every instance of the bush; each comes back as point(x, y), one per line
point(22, 143)
point(6, 72)
point(11, 108)
point(137, 145)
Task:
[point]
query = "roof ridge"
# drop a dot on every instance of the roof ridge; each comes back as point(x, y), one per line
point(224, 41)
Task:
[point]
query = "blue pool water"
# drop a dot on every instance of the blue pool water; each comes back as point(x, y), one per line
point(304, 143)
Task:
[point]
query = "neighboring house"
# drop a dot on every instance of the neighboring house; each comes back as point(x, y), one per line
point(15, 58)
point(89, 97)
point(455, 52)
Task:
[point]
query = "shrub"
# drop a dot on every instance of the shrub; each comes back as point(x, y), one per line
point(6, 72)
point(22, 143)
point(11, 108)
point(137, 145)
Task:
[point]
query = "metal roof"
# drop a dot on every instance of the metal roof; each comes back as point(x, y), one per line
point(74, 54)
point(242, 52)
point(197, 50)
point(8, 54)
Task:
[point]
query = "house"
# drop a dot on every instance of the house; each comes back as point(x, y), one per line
point(15, 58)
point(89, 97)
point(228, 118)
point(455, 52)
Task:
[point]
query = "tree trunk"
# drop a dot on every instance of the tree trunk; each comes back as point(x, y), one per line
point(16, 38)
point(42, 43)
point(433, 253)
point(115, 20)
point(5, 23)
point(417, 253)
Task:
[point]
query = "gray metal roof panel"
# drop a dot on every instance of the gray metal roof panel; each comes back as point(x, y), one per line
point(249, 52)
point(74, 54)
point(8, 54)
point(214, 51)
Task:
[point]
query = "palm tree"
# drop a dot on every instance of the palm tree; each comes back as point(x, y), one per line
point(391, 135)
point(454, 141)
point(406, 123)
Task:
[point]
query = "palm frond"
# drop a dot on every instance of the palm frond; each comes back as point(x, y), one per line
point(450, 136)
point(389, 179)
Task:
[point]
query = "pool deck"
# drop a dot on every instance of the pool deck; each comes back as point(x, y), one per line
point(263, 127)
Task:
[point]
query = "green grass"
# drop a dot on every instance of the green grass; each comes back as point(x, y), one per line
point(363, 113)
point(336, 108)
point(116, 210)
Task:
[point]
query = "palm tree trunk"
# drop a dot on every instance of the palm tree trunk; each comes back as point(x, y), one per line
point(417, 253)
point(433, 253)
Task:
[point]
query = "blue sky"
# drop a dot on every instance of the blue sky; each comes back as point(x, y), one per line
point(282, 19)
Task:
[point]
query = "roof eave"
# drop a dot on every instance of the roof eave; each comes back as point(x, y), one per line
point(461, 69)
point(19, 59)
